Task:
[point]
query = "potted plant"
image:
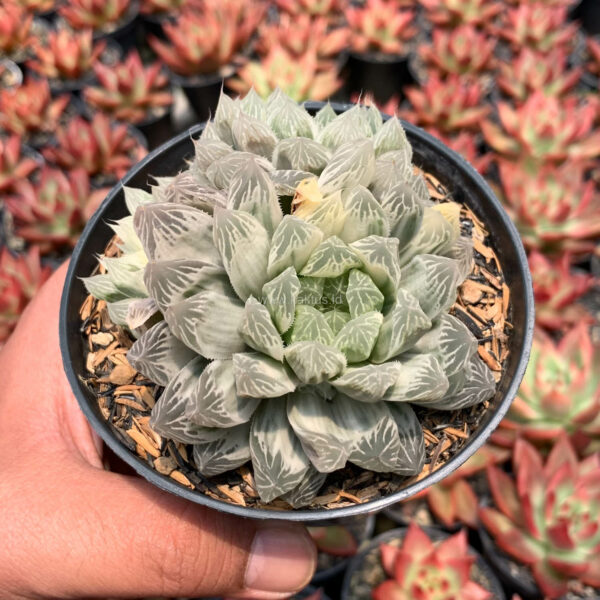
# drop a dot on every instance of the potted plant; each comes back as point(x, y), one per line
point(16, 162)
point(155, 13)
point(136, 94)
point(450, 14)
point(114, 19)
point(40, 8)
point(66, 59)
point(313, 8)
point(380, 36)
point(420, 563)
point(338, 388)
point(15, 32)
point(544, 518)
point(202, 45)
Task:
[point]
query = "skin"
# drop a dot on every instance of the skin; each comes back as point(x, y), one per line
point(71, 529)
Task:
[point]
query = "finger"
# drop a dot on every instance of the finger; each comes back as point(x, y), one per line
point(118, 536)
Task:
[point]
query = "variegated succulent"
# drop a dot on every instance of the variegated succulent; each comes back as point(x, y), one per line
point(312, 7)
point(15, 30)
point(298, 341)
point(451, 13)
point(97, 14)
point(13, 165)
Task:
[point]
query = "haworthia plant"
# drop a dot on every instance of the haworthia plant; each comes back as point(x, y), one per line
point(298, 341)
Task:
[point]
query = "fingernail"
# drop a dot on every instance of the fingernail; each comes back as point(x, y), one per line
point(282, 560)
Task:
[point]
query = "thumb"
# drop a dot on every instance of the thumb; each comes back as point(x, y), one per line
point(129, 539)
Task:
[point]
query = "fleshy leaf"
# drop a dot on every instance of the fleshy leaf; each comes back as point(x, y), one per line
point(311, 291)
point(367, 383)
point(462, 253)
point(411, 454)
point(187, 190)
point(172, 281)
point(314, 362)
point(286, 181)
point(208, 322)
point(325, 116)
point(420, 378)
point(258, 330)
point(243, 244)
point(168, 415)
point(227, 110)
point(252, 135)
point(290, 120)
point(312, 419)
point(159, 355)
point(293, 242)
point(301, 154)
point(117, 311)
point(402, 326)
point(279, 296)
point(331, 259)
point(310, 325)
point(229, 452)
point(215, 402)
point(135, 197)
point(127, 273)
point(357, 338)
point(253, 105)
point(391, 136)
point(364, 215)
point(259, 376)
point(351, 164)
point(102, 287)
point(251, 190)
point(336, 319)
point(334, 292)
point(206, 152)
point(379, 257)
point(139, 311)
point(329, 216)
point(304, 493)
point(129, 242)
point(279, 462)
point(362, 295)
point(433, 281)
point(351, 125)
point(222, 171)
point(391, 168)
point(169, 231)
point(404, 212)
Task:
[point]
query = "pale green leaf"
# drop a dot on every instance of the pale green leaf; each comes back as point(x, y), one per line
point(305, 492)
point(253, 105)
point(117, 311)
point(135, 197)
point(301, 154)
point(227, 453)
point(279, 296)
point(102, 287)
point(311, 291)
point(329, 216)
point(334, 292)
point(357, 338)
point(286, 181)
point(391, 136)
point(404, 212)
point(421, 378)
point(336, 319)
point(462, 253)
point(367, 383)
point(140, 311)
point(332, 258)
point(226, 112)
point(350, 165)
point(314, 362)
point(364, 215)
point(288, 120)
point(379, 257)
point(127, 273)
point(391, 168)
point(325, 116)
point(186, 189)
point(362, 294)
point(350, 125)
point(309, 326)
point(207, 152)
point(222, 171)
point(252, 135)
point(411, 453)
point(259, 331)
point(259, 376)
point(129, 242)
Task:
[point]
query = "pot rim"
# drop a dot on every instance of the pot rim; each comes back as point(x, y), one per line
point(101, 427)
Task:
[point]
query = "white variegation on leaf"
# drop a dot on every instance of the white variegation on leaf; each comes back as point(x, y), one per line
point(221, 171)
point(357, 337)
point(230, 451)
point(135, 197)
point(288, 120)
point(404, 212)
point(279, 296)
point(140, 311)
point(252, 135)
point(286, 181)
point(102, 287)
point(336, 319)
point(350, 165)
point(304, 493)
point(364, 215)
point(379, 257)
point(301, 154)
point(118, 311)
point(127, 273)
point(391, 168)
point(329, 216)
point(362, 294)
point(206, 152)
point(331, 258)
point(367, 383)
point(421, 378)
point(253, 105)
point(314, 362)
point(259, 331)
point(259, 376)
point(310, 325)
point(311, 291)
point(350, 125)
point(411, 454)
point(392, 137)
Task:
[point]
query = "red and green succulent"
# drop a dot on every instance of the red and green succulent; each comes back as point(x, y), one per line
point(13, 165)
point(129, 91)
point(99, 146)
point(66, 54)
point(205, 40)
point(461, 51)
point(545, 129)
point(420, 568)
point(449, 106)
point(546, 517)
point(452, 13)
point(554, 208)
point(30, 108)
point(52, 212)
point(380, 26)
point(96, 14)
point(335, 540)
point(37, 6)
point(531, 71)
point(162, 7)
point(468, 146)
point(20, 278)
point(15, 29)
point(313, 8)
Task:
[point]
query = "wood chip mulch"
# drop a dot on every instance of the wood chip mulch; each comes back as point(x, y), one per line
point(126, 398)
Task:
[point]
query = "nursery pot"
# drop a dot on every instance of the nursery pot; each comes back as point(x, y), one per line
point(202, 92)
point(588, 14)
point(449, 168)
point(157, 129)
point(353, 590)
point(124, 31)
point(380, 74)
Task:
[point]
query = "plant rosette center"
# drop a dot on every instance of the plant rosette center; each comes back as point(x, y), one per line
point(296, 339)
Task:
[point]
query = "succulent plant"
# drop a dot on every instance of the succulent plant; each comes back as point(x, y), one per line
point(453, 500)
point(547, 517)
point(593, 64)
point(461, 51)
point(422, 569)
point(65, 54)
point(536, 26)
point(316, 347)
point(129, 91)
point(95, 14)
point(37, 6)
point(20, 278)
point(559, 393)
point(30, 108)
point(467, 145)
point(99, 146)
point(566, 3)
point(301, 78)
point(325, 8)
point(335, 540)
point(52, 212)
point(545, 129)
point(380, 26)
point(530, 72)
point(205, 40)
point(449, 106)
point(162, 7)
point(554, 208)
point(557, 289)
point(15, 29)
point(452, 13)
point(302, 33)
point(13, 165)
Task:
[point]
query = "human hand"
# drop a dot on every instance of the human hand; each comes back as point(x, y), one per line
point(70, 529)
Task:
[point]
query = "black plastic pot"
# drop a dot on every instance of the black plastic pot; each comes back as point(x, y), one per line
point(158, 129)
point(153, 24)
point(202, 92)
point(382, 75)
point(350, 589)
point(124, 33)
point(464, 183)
point(588, 14)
